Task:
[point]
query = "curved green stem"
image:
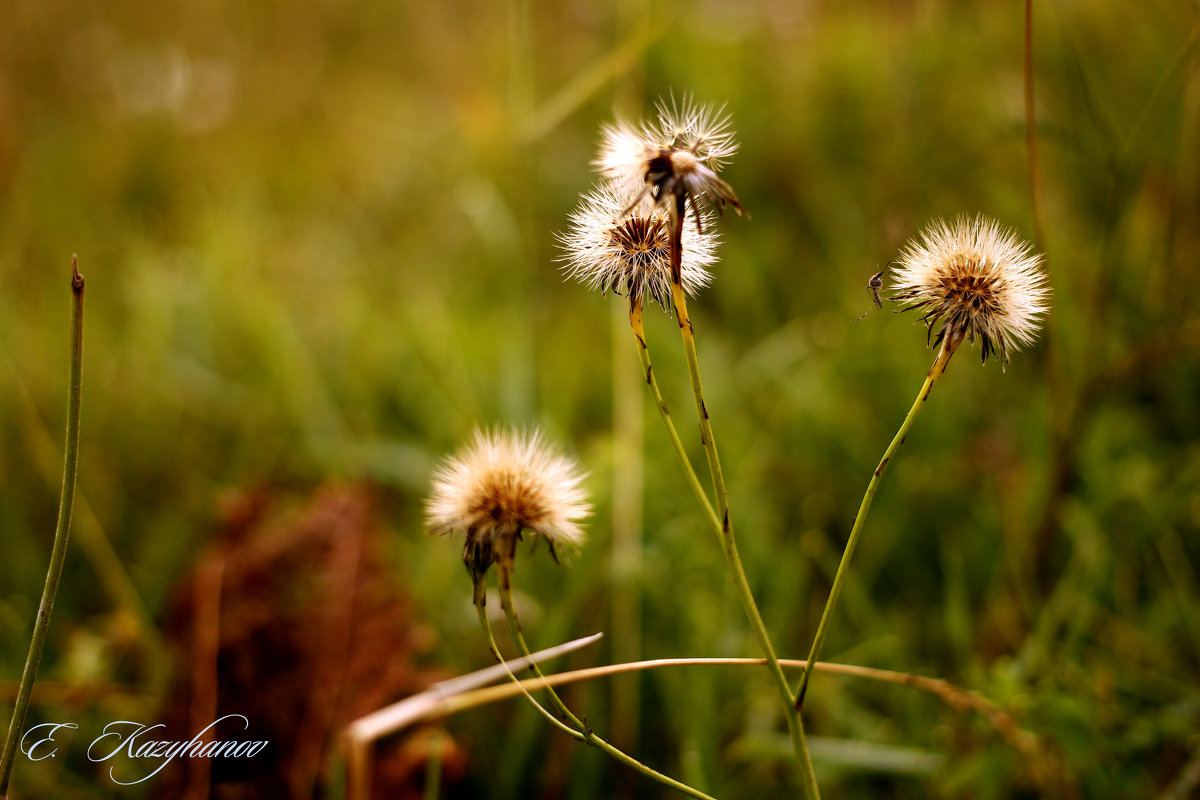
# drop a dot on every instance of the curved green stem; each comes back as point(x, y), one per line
point(706, 433)
point(728, 545)
point(939, 366)
point(591, 738)
point(486, 625)
point(724, 526)
point(639, 333)
point(62, 532)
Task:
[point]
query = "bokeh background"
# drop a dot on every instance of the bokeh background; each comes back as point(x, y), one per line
point(319, 245)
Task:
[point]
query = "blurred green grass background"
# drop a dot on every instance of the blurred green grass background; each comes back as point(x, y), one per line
point(319, 243)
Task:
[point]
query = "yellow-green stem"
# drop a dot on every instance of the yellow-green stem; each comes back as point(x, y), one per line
point(949, 345)
point(639, 333)
point(591, 738)
point(706, 434)
point(433, 769)
point(724, 526)
point(486, 625)
point(62, 532)
point(725, 537)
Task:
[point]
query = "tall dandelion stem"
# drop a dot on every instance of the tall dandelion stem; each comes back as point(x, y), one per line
point(62, 531)
point(693, 363)
point(639, 333)
point(724, 527)
point(949, 345)
point(972, 279)
point(584, 732)
point(486, 625)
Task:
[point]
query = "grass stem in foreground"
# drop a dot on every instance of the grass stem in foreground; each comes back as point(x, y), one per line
point(62, 532)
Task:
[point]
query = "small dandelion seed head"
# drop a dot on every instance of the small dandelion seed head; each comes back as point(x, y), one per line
point(677, 155)
point(977, 279)
point(608, 249)
point(702, 131)
point(501, 485)
point(624, 152)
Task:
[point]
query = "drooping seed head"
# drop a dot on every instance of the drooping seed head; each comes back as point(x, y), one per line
point(615, 243)
point(501, 485)
point(977, 279)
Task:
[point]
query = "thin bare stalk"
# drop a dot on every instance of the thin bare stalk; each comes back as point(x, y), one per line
point(62, 532)
point(689, 349)
point(956, 697)
point(486, 625)
point(591, 738)
point(639, 333)
point(804, 767)
point(433, 769)
point(437, 703)
point(939, 366)
point(1035, 188)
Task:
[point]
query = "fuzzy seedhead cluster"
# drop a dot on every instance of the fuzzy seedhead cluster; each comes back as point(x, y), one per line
point(977, 279)
point(612, 247)
point(500, 486)
point(618, 239)
point(646, 231)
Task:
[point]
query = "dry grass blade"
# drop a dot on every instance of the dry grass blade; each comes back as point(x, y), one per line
point(430, 704)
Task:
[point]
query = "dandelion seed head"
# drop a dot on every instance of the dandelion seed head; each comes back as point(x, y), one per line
point(503, 484)
point(624, 153)
point(677, 155)
point(977, 279)
point(702, 130)
point(608, 249)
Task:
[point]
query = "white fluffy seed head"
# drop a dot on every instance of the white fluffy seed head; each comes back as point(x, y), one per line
point(676, 155)
point(702, 130)
point(612, 246)
point(624, 153)
point(503, 484)
point(978, 279)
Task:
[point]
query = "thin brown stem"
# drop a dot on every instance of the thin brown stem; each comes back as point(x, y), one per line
point(956, 697)
point(1031, 151)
